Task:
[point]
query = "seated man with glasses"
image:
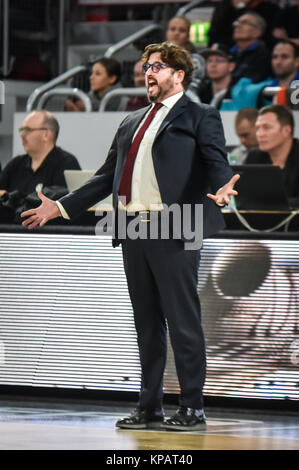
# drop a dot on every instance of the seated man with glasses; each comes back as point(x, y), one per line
point(251, 56)
point(42, 164)
point(227, 11)
point(220, 88)
point(217, 84)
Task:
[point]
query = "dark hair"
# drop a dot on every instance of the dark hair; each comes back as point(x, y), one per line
point(50, 122)
point(172, 55)
point(283, 114)
point(290, 43)
point(112, 66)
point(246, 113)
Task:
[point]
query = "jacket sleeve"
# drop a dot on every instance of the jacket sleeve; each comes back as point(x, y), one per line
point(95, 190)
point(211, 142)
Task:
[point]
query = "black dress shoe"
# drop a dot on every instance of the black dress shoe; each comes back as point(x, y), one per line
point(186, 419)
point(141, 419)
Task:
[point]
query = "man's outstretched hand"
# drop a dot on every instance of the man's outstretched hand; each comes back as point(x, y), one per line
point(42, 214)
point(222, 197)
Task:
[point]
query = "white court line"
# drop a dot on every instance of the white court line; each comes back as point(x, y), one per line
point(271, 428)
point(231, 422)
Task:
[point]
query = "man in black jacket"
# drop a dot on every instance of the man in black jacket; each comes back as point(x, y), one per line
point(251, 56)
point(180, 157)
point(277, 146)
point(217, 84)
point(227, 11)
point(42, 164)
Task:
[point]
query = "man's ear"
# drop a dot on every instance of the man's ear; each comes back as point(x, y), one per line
point(48, 136)
point(232, 66)
point(287, 130)
point(180, 74)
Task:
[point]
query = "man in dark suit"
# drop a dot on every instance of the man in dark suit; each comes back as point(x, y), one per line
point(171, 153)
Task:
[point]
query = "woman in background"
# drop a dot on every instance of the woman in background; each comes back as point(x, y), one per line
point(177, 32)
point(104, 77)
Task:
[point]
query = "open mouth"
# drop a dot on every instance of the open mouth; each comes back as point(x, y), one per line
point(151, 84)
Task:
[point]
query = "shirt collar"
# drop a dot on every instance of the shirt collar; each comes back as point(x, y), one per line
point(171, 100)
point(28, 159)
point(275, 80)
point(252, 47)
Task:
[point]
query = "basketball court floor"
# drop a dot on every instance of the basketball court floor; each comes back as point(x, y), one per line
point(65, 425)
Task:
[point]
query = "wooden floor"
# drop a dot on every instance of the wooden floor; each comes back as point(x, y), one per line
point(70, 426)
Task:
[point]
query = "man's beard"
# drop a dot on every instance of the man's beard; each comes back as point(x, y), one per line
point(283, 75)
point(161, 93)
point(153, 98)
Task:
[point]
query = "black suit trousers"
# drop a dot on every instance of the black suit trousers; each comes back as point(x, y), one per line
point(162, 282)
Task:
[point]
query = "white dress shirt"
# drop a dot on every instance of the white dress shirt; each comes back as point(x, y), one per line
point(145, 190)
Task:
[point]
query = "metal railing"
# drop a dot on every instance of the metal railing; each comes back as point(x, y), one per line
point(5, 39)
point(130, 39)
point(41, 95)
point(65, 91)
point(121, 92)
point(60, 79)
point(271, 90)
point(183, 10)
point(38, 92)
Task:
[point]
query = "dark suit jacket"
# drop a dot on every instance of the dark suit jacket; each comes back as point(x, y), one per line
point(290, 172)
point(189, 159)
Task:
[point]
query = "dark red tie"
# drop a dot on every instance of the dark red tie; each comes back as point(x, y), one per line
point(126, 180)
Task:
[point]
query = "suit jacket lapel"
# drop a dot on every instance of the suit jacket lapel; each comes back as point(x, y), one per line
point(131, 127)
point(177, 109)
point(136, 118)
point(132, 123)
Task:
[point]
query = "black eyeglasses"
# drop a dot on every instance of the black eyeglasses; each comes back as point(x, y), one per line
point(244, 22)
point(156, 67)
point(27, 130)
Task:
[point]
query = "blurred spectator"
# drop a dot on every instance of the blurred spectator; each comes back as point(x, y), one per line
point(42, 164)
point(245, 130)
point(177, 32)
point(220, 89)
point(252, 57)
point(137, 102)
point(217, 84)
point(277, 146)
point(285, 63)
point(227, 11)
point(285, 66)
point(104, 77)
point(286, 23)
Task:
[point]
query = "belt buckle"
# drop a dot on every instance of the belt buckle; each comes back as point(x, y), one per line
point(144, 216)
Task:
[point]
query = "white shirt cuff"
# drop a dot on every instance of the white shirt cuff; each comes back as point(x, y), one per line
point(62, 210)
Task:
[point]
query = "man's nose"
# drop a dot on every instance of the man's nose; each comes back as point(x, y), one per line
point(149, 72)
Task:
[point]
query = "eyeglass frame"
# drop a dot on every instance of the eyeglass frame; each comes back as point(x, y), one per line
point(27, 130)
point(146, 66)
point(244, 22)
